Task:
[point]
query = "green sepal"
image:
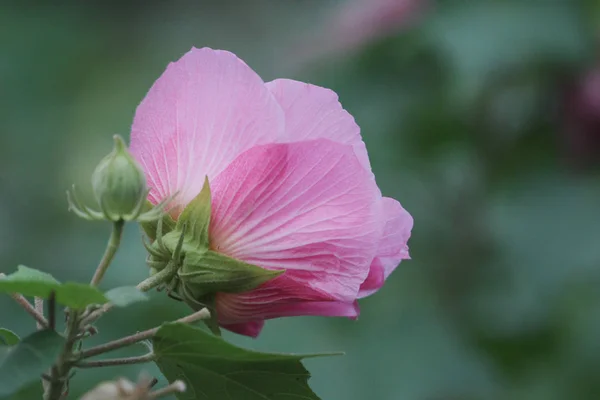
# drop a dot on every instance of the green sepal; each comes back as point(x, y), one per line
point(195, 219)
point(150, 227)
point(210, 272)
point(198, 303)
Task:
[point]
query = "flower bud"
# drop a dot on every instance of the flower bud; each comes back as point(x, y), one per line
point(119, 183)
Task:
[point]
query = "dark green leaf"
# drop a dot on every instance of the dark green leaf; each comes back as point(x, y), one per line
point(8, 337)
point(211, 272)
point(198, 303)
point(213, 369)
point(28, 360)
point(149, 228)
point(125, 295)
point(31, 282)
point(195, 218)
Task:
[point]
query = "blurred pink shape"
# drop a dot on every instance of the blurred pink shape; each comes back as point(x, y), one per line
point(361, 21)
point(291, 184)
point(353, 25)
point(582, 119)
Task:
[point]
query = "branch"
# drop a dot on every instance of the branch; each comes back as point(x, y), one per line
point(116, 361)
point(138, 337)
point(30, 309)
point(39, 307)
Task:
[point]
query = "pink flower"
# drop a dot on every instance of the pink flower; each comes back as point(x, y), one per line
point(361, 21)
point(581, 120)
point(291, 184)
point(354, 24)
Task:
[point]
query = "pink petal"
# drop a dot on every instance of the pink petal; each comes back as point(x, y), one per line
point(203, 111)
point(374, 280)
point(281, 297)
point(313, 112)
point(392, 248)
point(308, 207)
point(250, 328)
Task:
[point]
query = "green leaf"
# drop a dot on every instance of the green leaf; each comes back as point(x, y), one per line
point(150, 227)
point(27, 360)
point(8, 337)
point(31, 282)
point(125, 295)
point(4, 350)
point(213, 369)
point(211, 272)
point(198, 303)
point(195, 218)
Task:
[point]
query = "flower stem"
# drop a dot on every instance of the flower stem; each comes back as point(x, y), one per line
point(138, 337)
point(155, 280)
point(111, 249)
point(160, 277)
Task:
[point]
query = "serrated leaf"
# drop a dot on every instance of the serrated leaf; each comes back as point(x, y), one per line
point(195, 218)
point(125, 295)
point(150, 227)
point(27, 360)
point(210, 272)
point(31, 282)
point(8, 337)
point(213, 369)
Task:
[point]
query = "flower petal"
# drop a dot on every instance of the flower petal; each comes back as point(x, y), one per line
point(250, 328)
point(313, 112)
point(281, 297)
point(203, 111)
point(308, 207)
point(374, 281)
point(392, 247)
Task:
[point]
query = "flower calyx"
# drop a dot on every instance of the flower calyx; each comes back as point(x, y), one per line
point(197, 272)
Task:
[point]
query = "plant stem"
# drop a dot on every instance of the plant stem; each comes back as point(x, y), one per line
point(138, 337)
point(155, 280)
point(111, 249)
point(39, 318)
point(61, 369)
point(39, 307)
point(116, 361)
point(160, 277)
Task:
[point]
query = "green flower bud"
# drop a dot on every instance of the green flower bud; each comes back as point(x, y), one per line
point(119, 183)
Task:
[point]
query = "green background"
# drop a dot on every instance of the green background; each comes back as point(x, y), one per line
point(471, 118)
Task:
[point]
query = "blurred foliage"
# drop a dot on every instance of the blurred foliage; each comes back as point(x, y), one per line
point(463, 114)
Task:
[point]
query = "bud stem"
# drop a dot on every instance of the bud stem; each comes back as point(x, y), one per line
point(111, 249)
